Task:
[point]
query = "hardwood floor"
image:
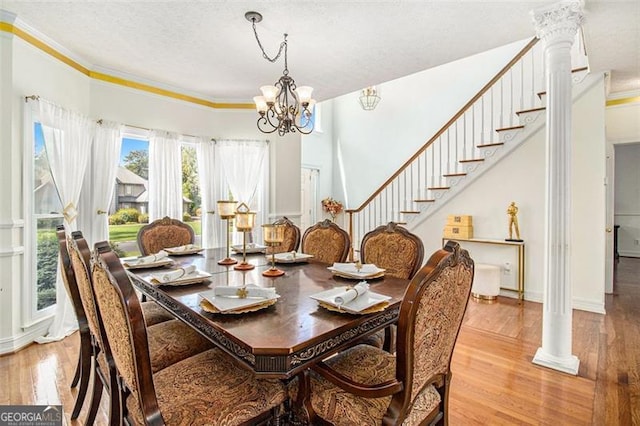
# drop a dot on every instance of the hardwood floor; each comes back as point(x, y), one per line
point(494, 381)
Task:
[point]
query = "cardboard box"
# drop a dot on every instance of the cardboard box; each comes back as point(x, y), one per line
point(460, 220)
point(458, 232)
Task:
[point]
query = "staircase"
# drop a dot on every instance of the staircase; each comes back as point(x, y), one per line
point(501, 116)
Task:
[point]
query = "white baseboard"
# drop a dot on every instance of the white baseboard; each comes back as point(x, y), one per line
point(578, 303)
point(14, 343)
point(629, 253)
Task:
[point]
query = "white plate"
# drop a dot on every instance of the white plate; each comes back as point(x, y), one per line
point(251, 248)
point(178, 251)
point(351, 272)
point(287, 257)
point(358, 305)
point(230, 304)
point(158, 264)
point(194, 277)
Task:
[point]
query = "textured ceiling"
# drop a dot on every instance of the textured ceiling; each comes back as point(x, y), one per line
point(207, 48)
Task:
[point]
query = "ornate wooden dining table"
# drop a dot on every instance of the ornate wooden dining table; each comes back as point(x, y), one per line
point(283, 339)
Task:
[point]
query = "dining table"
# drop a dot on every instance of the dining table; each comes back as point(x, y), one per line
point(283, 339)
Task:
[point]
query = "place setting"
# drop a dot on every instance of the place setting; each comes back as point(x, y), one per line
point(357, 270)
point(157, 260)
point(357, 299)
point(179, 277)
point(185, 250)
point(237, 300)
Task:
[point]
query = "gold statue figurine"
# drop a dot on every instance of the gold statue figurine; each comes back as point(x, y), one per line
point(512, 211)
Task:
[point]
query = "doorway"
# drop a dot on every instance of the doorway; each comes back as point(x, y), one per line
point(309, 197)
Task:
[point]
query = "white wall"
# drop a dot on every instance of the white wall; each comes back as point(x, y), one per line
point(374, 144)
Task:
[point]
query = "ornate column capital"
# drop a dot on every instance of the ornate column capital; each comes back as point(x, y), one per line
point(559, 21)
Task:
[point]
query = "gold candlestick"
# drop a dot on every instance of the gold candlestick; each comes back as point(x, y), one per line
point(245, 221)
point(273, 236)
point(227, 210)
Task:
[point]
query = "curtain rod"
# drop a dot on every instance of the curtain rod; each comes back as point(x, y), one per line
point(148, 130)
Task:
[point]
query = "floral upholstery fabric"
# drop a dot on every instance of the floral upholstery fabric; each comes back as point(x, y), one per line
point(363, 364)
point(154, 313)
point(326, 245)
point(162, 234)
point(426, 402)
point(86, 294)
point(438, 318)
point(116, 326)
point(210, 389)
point(393, 252)
point(172, 341)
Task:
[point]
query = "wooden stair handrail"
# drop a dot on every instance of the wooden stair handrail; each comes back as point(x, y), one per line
point(453, 119)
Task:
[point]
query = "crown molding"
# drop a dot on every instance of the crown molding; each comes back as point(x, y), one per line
point(623, 99)
point(9, 23)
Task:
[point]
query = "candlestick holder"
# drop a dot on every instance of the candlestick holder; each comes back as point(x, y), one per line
point(273, 236)
point(245, 221)
point(227, 210)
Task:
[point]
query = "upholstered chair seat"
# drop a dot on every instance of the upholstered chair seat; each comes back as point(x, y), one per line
point(210, 389)
point(164, 233)
point(365, 385)
point(327, 242)
point(154, 313)
point(172, 341)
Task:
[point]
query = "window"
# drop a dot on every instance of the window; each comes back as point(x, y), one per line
point(129, 214)
point(44, 207)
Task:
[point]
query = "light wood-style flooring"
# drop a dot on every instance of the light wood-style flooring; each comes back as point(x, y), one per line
point(494, 381)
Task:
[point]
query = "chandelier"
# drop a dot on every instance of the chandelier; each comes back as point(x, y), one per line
point(283, 106)
point(369, 98)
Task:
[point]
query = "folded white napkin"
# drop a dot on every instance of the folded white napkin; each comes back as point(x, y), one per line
point(186, 247)
point(353, 293)
point(147, 259)
point(174, 275)
point(367, 268)
point(247, 291)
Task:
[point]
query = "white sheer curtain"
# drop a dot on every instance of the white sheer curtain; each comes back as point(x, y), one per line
point(165, 175)
point(67, 140)
point(210, 190)
point(100, 181)
point(243, 165)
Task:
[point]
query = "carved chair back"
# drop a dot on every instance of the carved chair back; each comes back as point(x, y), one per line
point(124, 328)
point(291, 237)
point(429, 321)
point(69, 279)
point(393, 248)
point(163, 233)
point(327, 242)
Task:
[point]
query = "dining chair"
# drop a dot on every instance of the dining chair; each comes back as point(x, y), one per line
point(83, 367)
point(208, 388)
point(394, 249)
point(367, 385)
point(163, 233)
point(291, 240)
point(400, 253)
point(327, 242)
point(171, 341)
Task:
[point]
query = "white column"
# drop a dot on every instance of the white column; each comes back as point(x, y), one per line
point(556, 26)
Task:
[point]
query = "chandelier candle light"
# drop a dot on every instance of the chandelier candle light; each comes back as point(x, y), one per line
point(245, 221)
point(273, 236)
point(282, 107)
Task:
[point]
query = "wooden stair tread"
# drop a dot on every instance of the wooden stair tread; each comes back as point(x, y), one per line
point(424, 201)
point(473, 160)
point(541, 94)
point(504, 129)
point(487, 145)
point(454, 174)
point(433, 188)
point(409, 212)
point(530, 110)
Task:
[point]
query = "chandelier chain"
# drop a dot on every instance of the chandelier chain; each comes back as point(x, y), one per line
point(283, 47)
